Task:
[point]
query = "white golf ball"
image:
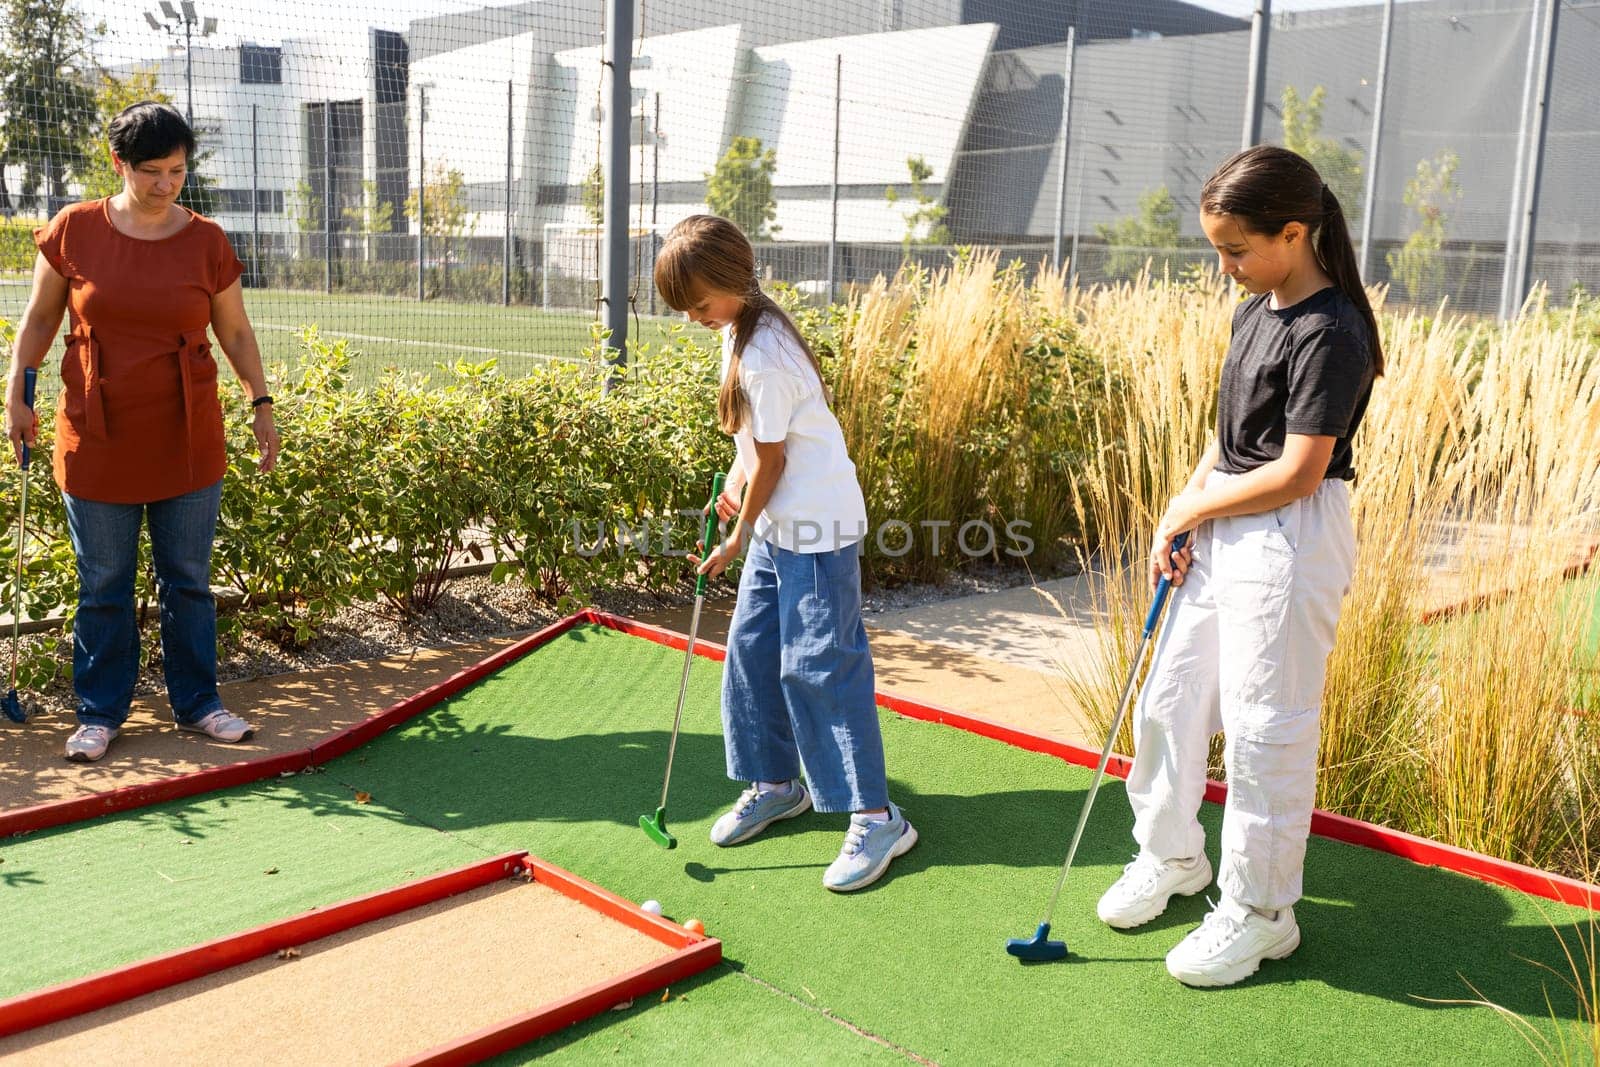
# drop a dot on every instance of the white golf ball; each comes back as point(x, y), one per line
point(652, 906)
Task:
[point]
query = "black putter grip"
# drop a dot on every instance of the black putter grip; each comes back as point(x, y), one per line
point(30, 382)
point(1162, 589)
point(707, 538)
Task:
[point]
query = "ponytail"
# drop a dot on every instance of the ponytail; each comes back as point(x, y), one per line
point(1336, 255)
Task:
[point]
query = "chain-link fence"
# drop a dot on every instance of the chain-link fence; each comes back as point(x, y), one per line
point(428, 179)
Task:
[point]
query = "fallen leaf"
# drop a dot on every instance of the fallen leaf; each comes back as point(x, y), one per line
point(288, 953)
point(624, 1006)
point(286, 774)
point(666, 995)
point(363, 797)
point(270, 870)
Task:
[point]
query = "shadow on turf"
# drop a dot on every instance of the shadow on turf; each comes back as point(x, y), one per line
point(1373, 924)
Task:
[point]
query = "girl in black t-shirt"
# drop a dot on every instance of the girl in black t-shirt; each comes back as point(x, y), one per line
point(1247, 637)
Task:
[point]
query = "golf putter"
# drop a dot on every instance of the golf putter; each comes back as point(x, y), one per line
point(656, 825)
point(11, 705)
point(1039, 947)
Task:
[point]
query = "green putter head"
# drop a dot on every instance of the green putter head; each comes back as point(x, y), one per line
point(656, 826)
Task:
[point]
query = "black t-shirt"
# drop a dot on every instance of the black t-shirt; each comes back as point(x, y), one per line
point(1303, 369)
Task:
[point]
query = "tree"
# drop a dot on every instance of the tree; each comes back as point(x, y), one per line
point(925, 223)
point(111, 96)
point(46, 95)
point(594, 194)
point(304, 208)
point(445, 204)
point(1137, 238)
point(1431, 190)
point(1339, 166)
point(370, 216)
point(740, 188)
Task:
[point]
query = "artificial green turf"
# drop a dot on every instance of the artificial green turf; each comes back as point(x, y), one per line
point(720, 1016)
point(397, 331)
point(562, 751)
point(83, 898)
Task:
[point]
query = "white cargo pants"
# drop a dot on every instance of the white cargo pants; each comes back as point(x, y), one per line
point(1244, 650)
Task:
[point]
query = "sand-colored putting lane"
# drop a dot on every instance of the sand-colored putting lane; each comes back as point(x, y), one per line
point(374, 994)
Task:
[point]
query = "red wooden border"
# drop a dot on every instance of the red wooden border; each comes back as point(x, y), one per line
point(352, 737)
point(77, 809)
point(1587, 553)
point(81, 995)
point(1324, 824)
point(693, 954)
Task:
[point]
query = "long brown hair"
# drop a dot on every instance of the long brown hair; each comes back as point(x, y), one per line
point(706, 254)
point(1266, 188)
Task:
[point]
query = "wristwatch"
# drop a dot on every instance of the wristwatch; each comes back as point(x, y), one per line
point(264, 398)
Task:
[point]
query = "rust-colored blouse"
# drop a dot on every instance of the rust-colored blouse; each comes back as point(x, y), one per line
point(139, 419)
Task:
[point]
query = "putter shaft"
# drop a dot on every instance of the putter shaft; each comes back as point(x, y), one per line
point(16, 592)
point(1163, 591)
point(1099, 773)
point(683, 690)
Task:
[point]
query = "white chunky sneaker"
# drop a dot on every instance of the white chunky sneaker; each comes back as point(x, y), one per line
point(221, 725)
point(1146, 885)
point(89, 743)
point(1230, 945)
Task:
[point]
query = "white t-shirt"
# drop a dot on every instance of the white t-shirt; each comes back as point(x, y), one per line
point(817, 505)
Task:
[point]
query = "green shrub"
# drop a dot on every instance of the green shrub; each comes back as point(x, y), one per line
point(16, 244)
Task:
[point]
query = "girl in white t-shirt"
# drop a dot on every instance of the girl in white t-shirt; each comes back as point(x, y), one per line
point(797, 689)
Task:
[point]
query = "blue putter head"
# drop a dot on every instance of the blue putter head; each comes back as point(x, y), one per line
point(13, 707)
point(1038, 948)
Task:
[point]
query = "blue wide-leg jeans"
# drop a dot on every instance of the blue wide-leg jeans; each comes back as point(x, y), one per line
point(797, 687)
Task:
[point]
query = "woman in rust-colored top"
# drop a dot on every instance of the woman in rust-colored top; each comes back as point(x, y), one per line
point(139, 423)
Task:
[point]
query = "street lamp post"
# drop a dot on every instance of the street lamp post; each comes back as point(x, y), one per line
point(187, 19)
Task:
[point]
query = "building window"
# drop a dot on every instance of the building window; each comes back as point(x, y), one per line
point(259, 65)
point(237, 201)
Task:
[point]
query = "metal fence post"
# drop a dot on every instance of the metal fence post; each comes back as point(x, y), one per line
point(1369, 197)
point(422, 190)
point(1510, 303)
point(1541, 127)
point(327, 196)
point(255, 199)
point(833, 231)
point(1066, 143)
point(505, 250)
point(614, 246)
point(1260, 25)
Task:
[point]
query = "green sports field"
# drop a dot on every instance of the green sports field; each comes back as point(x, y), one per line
point(400, 332)
point(560, 753)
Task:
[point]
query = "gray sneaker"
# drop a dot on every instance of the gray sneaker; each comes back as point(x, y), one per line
point(221, 725)
point(869, 846)
point(756, 809)
point(88, 743)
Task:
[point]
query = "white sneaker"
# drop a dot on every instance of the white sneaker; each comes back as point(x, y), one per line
point(89, 743)
point(1230, 945)
point(221, 725)
point(1146, 885)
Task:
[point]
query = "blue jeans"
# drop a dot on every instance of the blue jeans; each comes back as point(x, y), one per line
point(105, 637)
point(797, 688)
